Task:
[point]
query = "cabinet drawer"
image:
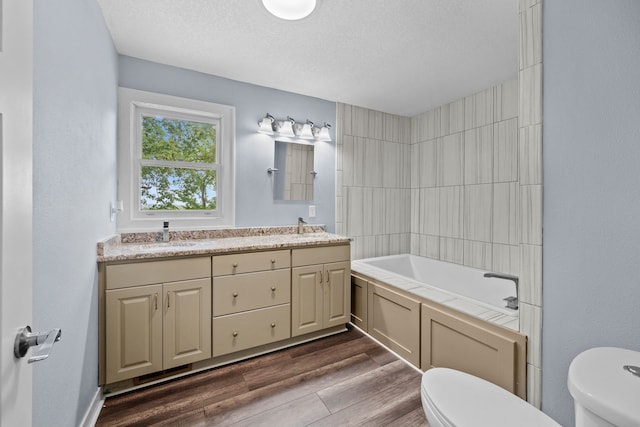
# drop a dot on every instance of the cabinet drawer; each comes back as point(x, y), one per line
point(322, 255)
point(224, 265)
point(152, 272)
point(242, 292)
point(240, 331)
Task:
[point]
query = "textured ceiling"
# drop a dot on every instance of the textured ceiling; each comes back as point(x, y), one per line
point(397, 56)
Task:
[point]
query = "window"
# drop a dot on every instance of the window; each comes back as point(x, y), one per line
point(175, 162)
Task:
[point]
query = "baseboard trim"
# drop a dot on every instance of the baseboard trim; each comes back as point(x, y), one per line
point(93, 411)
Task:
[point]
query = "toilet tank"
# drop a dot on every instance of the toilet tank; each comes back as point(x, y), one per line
point(605, 393)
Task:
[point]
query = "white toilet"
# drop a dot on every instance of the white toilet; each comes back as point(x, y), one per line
point(453, 398)
point(605, 393)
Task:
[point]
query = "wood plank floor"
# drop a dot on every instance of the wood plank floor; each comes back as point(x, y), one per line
point(345, 379)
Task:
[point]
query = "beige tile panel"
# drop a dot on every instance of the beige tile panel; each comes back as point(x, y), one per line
point(373, 211)
point(534, 385)
point(427, 163)
point(530, 40)
point(415, 211)
point(530, 104)
point(360, 121)
point(531, 274)
point(505, 213)
point(478, 155)
point(430, 211)
point(451, 211)
point(505, 151)
point(374, 163)
point(450, 155)
point(531, 326)
point(452, 117)
point(530, 153)
point(506, 259)
point(478, 254)
point(479, 109)
point(452, 250)
point(531, 214)
point(478, 202)
point(354, 212)
point(506, 103)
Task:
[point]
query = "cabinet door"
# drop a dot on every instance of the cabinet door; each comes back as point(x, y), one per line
point(337, 294)
point(306, 299)
point(187, 322)
point(394, 320)
point(133, 332)
point(359, 302)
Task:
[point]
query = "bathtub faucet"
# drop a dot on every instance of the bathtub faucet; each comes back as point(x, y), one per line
point(512, 302)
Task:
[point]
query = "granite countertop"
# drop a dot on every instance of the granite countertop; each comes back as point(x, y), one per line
point(134, 246)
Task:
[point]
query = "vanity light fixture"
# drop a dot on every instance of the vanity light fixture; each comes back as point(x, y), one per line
point(267, 124)
point(290, 10)
point(307, 131)
point(323, 133)
point(287, 128)
point(290, 129)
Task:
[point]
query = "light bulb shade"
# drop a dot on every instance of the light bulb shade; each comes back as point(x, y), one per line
point(307, 131)
point(286, 129)
point(323, 135)
point(266, 125)
point(291, 10)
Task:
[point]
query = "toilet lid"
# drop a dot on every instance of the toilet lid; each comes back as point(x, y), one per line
point(465, 400)
point(598, 382)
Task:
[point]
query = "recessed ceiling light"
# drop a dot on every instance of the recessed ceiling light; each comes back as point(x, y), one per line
point(291, 10)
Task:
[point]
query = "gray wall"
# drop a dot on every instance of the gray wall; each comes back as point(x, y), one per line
point(592, 185)
point(255, 205)
point(74, 164)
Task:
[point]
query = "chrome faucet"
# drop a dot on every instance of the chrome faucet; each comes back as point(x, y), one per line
point(165, 231)
point(512, 302)
point(301, 223)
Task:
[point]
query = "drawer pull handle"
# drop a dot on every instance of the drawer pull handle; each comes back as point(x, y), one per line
point(235, 295)
point(168, 300)
point(235, 265)
point(273, 325)
point(273, 289)
point(234, 333)
point(156, 300)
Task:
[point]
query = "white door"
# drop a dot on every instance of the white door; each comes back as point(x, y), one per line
point(16, 105)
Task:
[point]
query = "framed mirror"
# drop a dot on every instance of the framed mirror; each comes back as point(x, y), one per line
point(295, 171)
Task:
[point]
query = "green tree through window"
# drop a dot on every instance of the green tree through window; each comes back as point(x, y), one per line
point(178, 165)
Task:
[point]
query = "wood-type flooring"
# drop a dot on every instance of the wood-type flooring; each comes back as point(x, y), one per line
point(342, 380)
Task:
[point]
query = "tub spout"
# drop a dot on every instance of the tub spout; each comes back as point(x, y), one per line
point(512, 302)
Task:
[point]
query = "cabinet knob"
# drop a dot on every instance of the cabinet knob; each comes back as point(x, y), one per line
point(235, 264)
point(234, 333)
point(273, 325)
point(273, 289)
point(273, 261)
point(235, 294)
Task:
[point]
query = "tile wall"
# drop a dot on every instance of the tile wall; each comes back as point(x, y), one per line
point(460, 183)
point(373, 181)
point(530, 183)
point(464, 180)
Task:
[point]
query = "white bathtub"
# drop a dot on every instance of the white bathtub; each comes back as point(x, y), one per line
point(458, 286)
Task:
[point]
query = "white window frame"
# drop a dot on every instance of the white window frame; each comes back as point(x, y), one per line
point(132, 105)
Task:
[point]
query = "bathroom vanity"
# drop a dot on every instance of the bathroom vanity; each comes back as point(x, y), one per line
point(204, 299)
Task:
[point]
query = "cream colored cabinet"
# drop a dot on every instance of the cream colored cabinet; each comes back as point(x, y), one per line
point(320, 292)
point(251, 300)
point(359, 296)
point(449, 337)
point(394, 320)
point(153, 327)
